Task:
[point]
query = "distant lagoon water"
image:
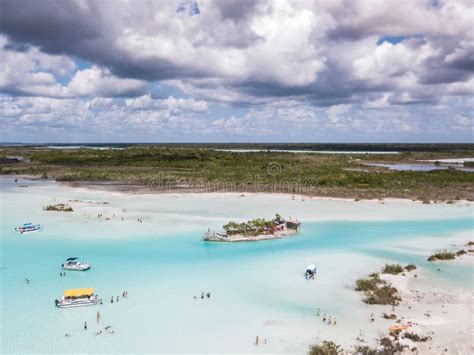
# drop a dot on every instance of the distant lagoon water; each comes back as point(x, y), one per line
point(256, 288)
point(420, 167)
point(304, 151)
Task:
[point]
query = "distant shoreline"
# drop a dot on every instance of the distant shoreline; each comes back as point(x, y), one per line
point(133, 188)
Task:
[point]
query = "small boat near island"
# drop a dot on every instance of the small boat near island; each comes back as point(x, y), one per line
point(74, 265)
point(310, 272)
point(255, 230)
point(78, 297)
point(28, 228)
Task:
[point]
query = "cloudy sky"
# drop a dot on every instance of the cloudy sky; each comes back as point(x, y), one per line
point(236, 71)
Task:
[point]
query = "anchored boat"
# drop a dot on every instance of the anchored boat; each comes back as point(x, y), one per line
point(28, 227)
point(78, 297)
point(74, 265)
point(310, 272)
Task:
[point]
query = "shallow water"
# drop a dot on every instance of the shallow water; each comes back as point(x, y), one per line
point(420, 167)
point(301, 151)
point(256, 288)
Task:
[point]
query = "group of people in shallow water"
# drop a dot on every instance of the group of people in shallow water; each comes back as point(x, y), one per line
point(99, 332)
point(204, 295)
point(327, 319)
point(124, 295)
point(99, 316)
point(62, 273)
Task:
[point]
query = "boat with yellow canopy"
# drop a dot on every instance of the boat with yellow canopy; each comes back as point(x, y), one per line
point(78, 297)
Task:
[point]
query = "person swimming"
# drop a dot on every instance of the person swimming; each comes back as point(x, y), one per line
point(85, 325)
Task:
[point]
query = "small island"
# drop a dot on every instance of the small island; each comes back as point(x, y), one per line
point(60, 207)
point(254, 230)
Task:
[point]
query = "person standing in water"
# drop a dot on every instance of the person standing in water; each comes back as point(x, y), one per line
point(98, 317)
point(256, 341)
point(85, 325)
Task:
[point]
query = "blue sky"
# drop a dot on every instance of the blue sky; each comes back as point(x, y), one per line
point(237, 71)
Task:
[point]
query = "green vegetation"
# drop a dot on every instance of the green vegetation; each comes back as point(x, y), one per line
point(325, 348)
point(60, 207)
point(377, 291)
point(254, 227)
point(392, 269)
point(442, 255)
point(470, 243)
point(410, 267)
point(415, 337)
point(369, 284)
point(389, 316)
point(190, 167)
point(461, 252)
point(385, 346)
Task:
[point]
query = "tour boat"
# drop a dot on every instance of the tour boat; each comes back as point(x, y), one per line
point(310, 272)
point(78, 297)
point(74, 265)
point(28, 227)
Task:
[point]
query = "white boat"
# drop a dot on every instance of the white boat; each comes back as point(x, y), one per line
point(28, 227)
point(310, 272)
point(74, 265)
point(78, 297)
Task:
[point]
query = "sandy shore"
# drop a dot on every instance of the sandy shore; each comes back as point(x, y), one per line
point(333, 193)
point(446, 316)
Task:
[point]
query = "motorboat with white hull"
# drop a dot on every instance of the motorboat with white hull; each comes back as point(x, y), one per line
point(28, 228)
point(310, 272)
point(73, 264)
point(78, 297)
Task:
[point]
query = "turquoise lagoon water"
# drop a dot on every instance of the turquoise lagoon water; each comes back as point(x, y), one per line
point(256, 288)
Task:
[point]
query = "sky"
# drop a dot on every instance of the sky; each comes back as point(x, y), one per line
point(236, 71)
